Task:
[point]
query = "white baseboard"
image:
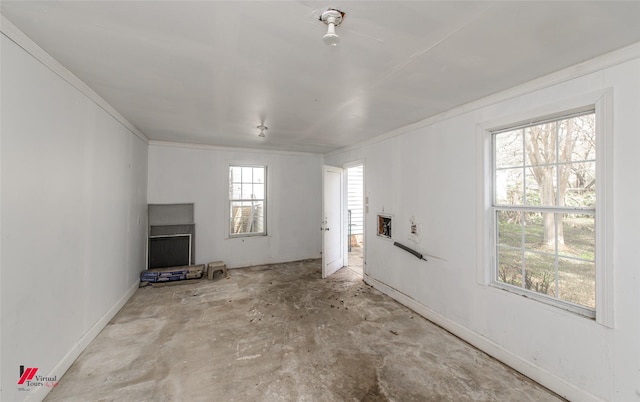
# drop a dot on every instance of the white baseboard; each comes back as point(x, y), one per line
point(41, 392)
point(536, 373)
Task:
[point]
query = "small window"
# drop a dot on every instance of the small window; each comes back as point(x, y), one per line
point(247, 200)
point(544, 210)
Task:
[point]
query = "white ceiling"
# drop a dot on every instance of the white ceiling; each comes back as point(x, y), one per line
point(209, 72)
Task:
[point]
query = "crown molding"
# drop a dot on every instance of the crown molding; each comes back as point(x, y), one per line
point(174, 144)
point(598, 63)
point(14, 34)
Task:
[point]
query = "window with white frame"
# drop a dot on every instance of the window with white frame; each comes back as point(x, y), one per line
point(544, 210)
point(247, 200)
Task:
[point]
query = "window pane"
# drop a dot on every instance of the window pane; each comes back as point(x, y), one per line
point(508, 148)
point(235, 173)
point(579, 236)
point(236, 191)
point(509, 266)
point(247, 192)
point(258, 175)
point(540, 273)
point(508, 187)
point(540, 143)
point(258, 217)
point(577, 281)
point(540, 186)
point(258, 191)
point(577, 139)
point(566, 136)
point(247, 217)
point(533, 230)
point(581, 185)
point(239, 216)
point(509, 228)
point(247, 174)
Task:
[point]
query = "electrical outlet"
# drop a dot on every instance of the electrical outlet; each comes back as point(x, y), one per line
point(414, 228)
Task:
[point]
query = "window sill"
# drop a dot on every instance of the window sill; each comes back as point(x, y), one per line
point(567, 306)
point(247, 236)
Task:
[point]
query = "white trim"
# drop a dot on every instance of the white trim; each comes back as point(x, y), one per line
point(484, 240)
point(63, 365)
point(187, 145)
point(596, 64)
point(536, 373)
point(542, 298)
point(265, 200)
point(19, 38)
point(604, 211)
point(485, 253)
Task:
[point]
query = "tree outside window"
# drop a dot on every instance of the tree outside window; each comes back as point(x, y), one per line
point(544, 203)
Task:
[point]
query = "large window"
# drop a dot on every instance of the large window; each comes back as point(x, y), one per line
point(247, 200)
point(544, 210)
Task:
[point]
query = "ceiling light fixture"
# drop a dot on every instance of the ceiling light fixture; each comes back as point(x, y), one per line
point(262, 129)
point(332, 18)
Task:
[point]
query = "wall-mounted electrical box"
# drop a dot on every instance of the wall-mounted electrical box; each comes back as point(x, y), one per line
point(384, 225)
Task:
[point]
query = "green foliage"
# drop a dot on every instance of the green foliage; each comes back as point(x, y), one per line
point(534, 267)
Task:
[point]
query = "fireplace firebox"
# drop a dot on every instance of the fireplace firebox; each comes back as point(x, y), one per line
point(169, 250)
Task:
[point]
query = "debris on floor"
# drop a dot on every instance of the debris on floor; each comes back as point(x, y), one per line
point(268, 333)
point(170, 274)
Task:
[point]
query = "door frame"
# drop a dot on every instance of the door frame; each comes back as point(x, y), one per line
point(365, 211)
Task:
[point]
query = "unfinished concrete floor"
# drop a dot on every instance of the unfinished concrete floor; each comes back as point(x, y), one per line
point(279, 332)
point(356, 262)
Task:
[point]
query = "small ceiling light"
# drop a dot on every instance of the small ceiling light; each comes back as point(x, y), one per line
point(262, 129)
point(332, 18)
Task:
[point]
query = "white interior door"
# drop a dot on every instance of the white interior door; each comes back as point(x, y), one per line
point(332, 220)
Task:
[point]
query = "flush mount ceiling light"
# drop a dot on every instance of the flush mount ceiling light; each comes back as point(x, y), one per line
point(332, 18)
point(262, 129)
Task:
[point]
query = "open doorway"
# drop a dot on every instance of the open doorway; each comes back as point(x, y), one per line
point(355, 217)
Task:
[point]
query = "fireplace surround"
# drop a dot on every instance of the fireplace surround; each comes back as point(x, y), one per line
point(172, 234)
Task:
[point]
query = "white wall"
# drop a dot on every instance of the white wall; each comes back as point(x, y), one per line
point(180, 174)
point(429, 172)
point(73, 210)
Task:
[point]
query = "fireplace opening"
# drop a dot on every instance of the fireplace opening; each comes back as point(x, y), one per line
point(169, 251)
